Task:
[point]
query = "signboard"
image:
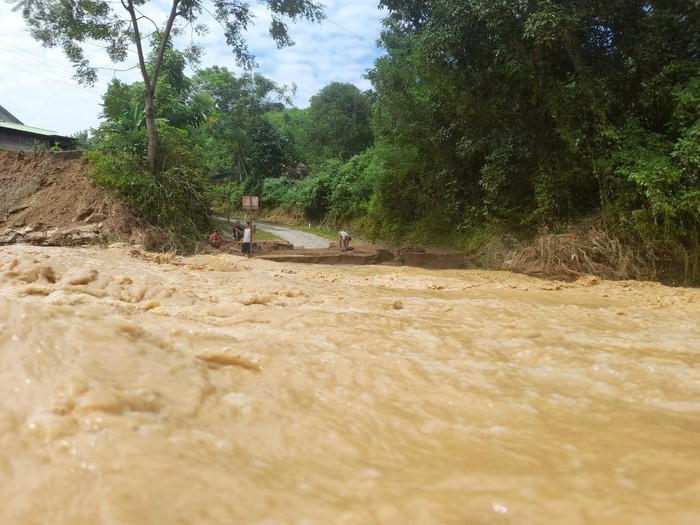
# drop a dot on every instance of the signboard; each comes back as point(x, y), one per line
point(250, 202)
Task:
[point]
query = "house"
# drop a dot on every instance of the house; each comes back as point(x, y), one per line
point(15, 136)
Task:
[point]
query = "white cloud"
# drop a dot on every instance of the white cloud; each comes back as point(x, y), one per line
point(38, 87)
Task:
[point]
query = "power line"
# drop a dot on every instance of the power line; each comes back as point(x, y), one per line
point(19, 51)
point(350, 32)
point(49, 77)
point(59, 71)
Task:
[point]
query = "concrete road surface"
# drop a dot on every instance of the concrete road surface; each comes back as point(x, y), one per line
point(296, 238)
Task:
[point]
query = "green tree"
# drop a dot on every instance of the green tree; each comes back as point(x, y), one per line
point(175, 98)
point(119, 101)
point(71, 23)
point(338, 124)
point(292, 123)
point(236, 135)
point(518, 112)
point(270, 151)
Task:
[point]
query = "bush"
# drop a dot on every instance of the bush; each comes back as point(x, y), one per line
point(225, 198)
point(278, 192)
point(654, 191)
point(172, 199)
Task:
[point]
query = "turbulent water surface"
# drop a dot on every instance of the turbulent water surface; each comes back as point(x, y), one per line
point(144, 389)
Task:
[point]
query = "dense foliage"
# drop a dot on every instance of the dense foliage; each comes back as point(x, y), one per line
point(487, 118)
point(174, 200)
point(530, 115)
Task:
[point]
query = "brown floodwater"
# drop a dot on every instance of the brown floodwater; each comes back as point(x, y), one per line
point(144, 389)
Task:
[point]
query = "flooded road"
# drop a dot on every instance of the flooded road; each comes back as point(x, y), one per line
point(147, 389)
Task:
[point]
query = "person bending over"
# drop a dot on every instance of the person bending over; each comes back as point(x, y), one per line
point(345, 239)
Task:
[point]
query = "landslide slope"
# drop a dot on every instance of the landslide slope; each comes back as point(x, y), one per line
point(46, 199)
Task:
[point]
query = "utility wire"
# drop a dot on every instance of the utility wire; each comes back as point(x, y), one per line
point(21, 52)
point(59, 69)
point(43, 75)
point(350, 32)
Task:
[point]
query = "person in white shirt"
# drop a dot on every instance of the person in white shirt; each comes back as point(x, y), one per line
point(344, 239)
point(247, 239)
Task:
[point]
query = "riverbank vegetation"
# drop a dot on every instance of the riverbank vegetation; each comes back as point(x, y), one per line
point(550, 135)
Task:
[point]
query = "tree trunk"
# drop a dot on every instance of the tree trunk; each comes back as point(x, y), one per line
point(150, 80)
point(151, 132)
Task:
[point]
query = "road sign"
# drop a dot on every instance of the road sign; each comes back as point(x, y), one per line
point(250, 202)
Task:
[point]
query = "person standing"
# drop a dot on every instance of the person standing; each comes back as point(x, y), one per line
point(237, 231)
point(247, 243)
point(345, 239)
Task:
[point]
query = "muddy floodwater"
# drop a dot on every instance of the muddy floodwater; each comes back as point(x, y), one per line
point(152, 389)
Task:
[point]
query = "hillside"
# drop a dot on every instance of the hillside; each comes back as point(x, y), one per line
point(45, 199)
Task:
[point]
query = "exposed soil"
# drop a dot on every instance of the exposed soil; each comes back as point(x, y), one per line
point(46, 199)
point(370, 254)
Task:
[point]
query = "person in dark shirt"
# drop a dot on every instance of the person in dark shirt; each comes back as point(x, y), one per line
point(237, 231)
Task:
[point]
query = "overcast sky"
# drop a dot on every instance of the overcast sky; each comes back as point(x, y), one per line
point(37, 86)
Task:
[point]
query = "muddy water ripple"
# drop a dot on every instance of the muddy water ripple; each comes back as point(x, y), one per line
point(144, 389)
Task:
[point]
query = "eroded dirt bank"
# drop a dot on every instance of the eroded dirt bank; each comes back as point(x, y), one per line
point(152, 388)
point(45, 199)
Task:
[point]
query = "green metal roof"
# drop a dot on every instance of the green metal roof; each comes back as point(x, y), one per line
point(27, 129)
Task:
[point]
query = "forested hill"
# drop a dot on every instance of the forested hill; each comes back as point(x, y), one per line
point(489, 122)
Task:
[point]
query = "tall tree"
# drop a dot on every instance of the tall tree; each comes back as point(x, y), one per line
point(175, 99)
point(241, 103)
point(518, 110)
point(339, 122)
point(71, 23)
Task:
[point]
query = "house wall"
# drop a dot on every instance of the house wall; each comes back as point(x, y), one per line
point(11, 140)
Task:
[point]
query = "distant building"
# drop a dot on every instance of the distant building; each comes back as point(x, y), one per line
point(15, 136)
point(228, 176)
